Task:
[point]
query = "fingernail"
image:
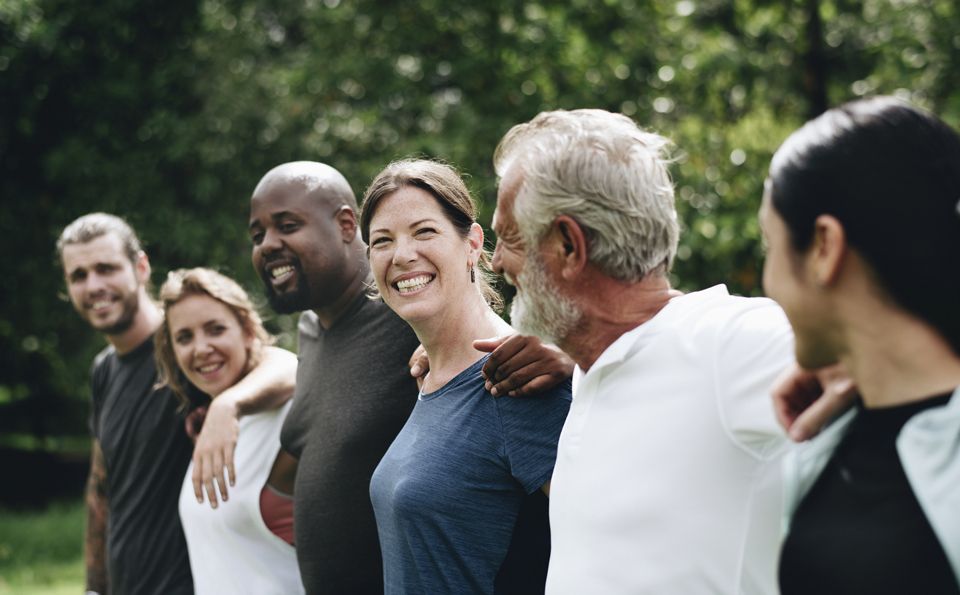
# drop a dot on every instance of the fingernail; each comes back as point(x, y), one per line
point(415, 371)
point(494, 391)
point(487, 386)
point(199, 500)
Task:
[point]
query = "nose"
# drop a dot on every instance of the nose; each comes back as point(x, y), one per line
point(202, 346)
point(271, 242)
point(405, 251)
point(94, 283)
point(496, 263)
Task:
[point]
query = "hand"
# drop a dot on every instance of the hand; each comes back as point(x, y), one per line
point(194, 422)
point(521, 365)
point(213, 452)
point(419, 365)
point(806, 400)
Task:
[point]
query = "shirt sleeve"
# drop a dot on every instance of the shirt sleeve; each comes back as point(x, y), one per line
point(753, 349)
point(531, 428)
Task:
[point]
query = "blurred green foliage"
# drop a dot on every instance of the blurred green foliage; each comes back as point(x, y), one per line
point(41, 552)
point(168, 112)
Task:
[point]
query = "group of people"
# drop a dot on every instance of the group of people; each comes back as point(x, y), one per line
point(386, 457)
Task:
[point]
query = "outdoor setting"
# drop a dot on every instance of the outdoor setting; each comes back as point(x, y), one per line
point(169, 113)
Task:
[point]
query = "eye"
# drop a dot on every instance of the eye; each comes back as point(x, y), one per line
point(183, 338)
point(425, 232)
point(216, 329)
point(256, 238)
point(105, 269)
point(288, 227)
point(379, 241)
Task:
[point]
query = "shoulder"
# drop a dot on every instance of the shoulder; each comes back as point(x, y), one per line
point(100, 368)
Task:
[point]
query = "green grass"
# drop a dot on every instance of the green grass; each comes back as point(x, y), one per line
point(42, 552)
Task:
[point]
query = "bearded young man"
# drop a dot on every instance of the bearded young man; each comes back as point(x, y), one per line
point(134, 542)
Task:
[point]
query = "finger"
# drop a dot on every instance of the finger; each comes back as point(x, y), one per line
point(499, 364)
point(219, 475)
point(231, 472)
point(419, 364)
point(535, 385)
point(197, 478)
point(837, 398)
point(211, 490)
point(518, 377)
point(488, 345)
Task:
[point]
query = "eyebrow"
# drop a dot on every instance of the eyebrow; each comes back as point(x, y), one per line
point(273, 217)
point(414, 224)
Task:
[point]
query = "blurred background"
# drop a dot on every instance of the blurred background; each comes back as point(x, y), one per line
point(168, 112)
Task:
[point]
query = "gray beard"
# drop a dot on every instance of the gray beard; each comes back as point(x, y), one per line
point(539, 309)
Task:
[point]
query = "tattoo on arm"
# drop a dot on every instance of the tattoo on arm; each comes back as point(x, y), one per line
point(95, 546)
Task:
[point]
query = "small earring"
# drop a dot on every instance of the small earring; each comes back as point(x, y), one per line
point(473, 278)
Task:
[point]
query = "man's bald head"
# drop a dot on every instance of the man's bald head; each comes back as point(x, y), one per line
point(303, 228)
point(316, 180)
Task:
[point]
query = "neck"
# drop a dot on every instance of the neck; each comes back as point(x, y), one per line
point(146, 322)
point(610, 309)
point(896, 359)
point(354, 287)
point(448, 338)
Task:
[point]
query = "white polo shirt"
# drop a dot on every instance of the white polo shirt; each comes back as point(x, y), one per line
point(668, 470)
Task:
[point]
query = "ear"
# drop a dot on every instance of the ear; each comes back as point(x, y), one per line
point(570, 245)
point(475, 241)
point(828, 249)
point(346, 220)
point(142, 267)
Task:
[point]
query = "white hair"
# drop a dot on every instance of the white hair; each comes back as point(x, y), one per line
point(609, 175)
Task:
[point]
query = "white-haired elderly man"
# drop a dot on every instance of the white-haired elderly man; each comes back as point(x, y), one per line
point(667, 476)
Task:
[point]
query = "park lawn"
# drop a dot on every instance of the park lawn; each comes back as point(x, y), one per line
point(42, 551)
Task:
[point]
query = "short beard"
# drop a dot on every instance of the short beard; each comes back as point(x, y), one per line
point(289, 302)
point(538, 308)
point(131, 305)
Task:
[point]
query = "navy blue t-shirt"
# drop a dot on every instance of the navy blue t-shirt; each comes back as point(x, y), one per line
point(448, 492)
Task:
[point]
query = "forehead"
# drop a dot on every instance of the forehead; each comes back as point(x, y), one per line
point(510, 184)
point(406, 205)
point(105, 249)
point(197, 309)
point(284, 196)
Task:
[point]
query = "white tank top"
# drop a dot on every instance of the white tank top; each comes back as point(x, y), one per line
point(231, 549)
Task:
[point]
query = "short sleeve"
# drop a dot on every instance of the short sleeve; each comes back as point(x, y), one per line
point(754, 348)
point(98, 374)
point(531, 428)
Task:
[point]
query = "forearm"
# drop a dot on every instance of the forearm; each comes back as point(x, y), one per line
point(267, 386)
point(95, 539)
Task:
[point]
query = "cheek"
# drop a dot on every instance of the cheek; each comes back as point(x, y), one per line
point(181, 353)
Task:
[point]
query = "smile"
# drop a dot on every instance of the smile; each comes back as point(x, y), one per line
point(413, 284)
point(209, 368)
point(281, 274)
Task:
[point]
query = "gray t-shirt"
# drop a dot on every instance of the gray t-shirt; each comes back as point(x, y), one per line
point(354, 393)
point(146, 453)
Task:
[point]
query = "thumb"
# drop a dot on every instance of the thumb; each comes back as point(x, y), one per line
point(488, 345)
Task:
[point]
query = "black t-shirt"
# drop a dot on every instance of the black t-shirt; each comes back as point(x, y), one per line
point(146, 453)
point(354, 393)
point(860, 528)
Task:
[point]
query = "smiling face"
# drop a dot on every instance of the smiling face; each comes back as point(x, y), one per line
point(787, 281)
point(298, 249)
point(538, 307)
point(419, 259)
point(103, 284)
point(210, 346)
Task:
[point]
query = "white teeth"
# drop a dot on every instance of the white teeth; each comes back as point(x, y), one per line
point(281, 271)
point(413, 284)
point(209, 368)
